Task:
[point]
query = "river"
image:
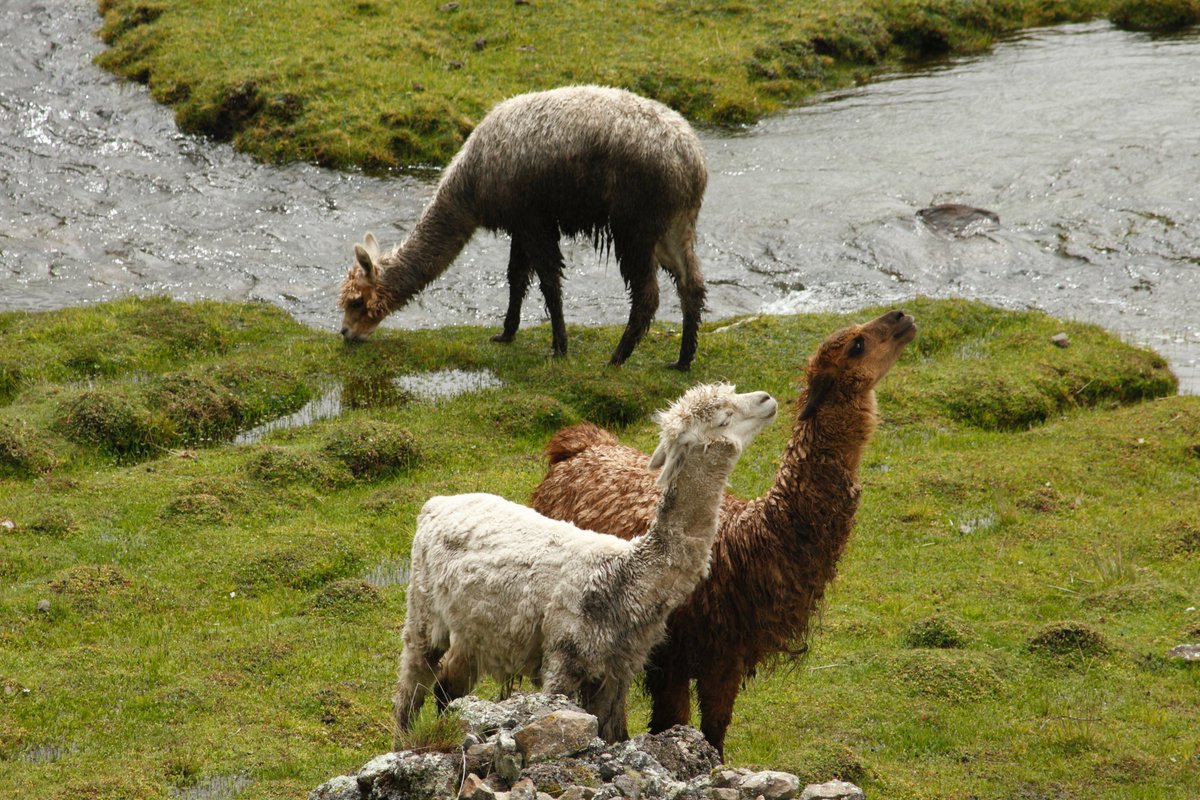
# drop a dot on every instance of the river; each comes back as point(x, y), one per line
point(1082, 138)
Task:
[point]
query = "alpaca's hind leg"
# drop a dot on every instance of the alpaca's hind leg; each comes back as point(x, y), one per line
point(638, 270)
point(519, 273)
point(455, 677)
point(416, 678)
point(676, 254)
point(670, 700)
point(547, 261)
point(716, 692)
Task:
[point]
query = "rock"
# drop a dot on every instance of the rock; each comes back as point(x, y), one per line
point(682, 751)
point(374, 768)
point(1187, 652)
point(553, 777)
point(770, 785)
point(474, 788)
point(507, 760)
point(484, 717)
point(1061, 340)
point(43, 605)
point(559, 733)
point(523, 790)
point(343, 787)
point(723, 794)
point(730, 778)
point(415, 776)
point(959, 220)
point(833, 790)
point(577, 793)
point(480, 757)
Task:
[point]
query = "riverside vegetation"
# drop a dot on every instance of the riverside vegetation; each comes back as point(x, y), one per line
point(381, 85)
point(181, 616)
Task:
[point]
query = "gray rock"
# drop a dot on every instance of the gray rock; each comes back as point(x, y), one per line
point(508, 761)
point(553, 776)
point(484, 717)
point(480, 757)
point(375, 767)
point(770, 785)
point(343, 787)
point(730, 778)
point(559, 733)
point(43, 605)
point(1061, 340)
point(833, 790)
point(523, 790)
point(1187, 652)
point(682, 751)
point(418, 776)
point(578, 793)
point(723, 794)
point(474, 788)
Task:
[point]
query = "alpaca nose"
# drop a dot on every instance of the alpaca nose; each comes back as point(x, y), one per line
point(895, 316)
point(345, 332)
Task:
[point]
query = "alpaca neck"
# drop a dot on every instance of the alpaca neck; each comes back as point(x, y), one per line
point(680, 538)
point(816, 490)
point(438, 237)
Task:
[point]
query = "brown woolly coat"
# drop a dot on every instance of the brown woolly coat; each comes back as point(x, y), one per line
point(773, 557)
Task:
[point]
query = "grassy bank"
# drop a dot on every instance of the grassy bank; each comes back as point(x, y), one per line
point(382, 85)
point(226, 617)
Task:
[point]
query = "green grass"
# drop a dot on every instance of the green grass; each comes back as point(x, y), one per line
point(382, 85)
point(230, 616)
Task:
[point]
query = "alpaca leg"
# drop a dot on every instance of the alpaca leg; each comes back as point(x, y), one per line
point(670, 701)
point(643, 302)
point(455, 677)
point(606, 701)
point(547, 262)
point(415, 680)
point(716, 693)
point(519, 273)
point(677, 256)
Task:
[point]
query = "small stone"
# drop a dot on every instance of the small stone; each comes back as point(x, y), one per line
point(771, 785)
point(523, 790)
point(474, 788)
point(1061, 340)
point(480, 757)
point(723, 794)
point(507, 760)
point(480, 43)
point(833, 790)
point(455, 64)
point(450, 7)
point(1186, 652)
point(559, 733)
point(7, 524)
point(43, 605)
point(730, 778)
point(343, 787)
point(374, 768)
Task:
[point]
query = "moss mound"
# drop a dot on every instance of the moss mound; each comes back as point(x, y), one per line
point(376, 452)
point(530, 415)
point(1069, 638)
point(114, 423)
point(343, 597)
point(1155, 15)
point(23, 450)
point(317, 560)
point(281, 465)
point(936, 632)
point(951, 675)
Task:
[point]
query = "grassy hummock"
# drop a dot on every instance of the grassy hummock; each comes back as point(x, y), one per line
point(226, 617)
point(385, 85)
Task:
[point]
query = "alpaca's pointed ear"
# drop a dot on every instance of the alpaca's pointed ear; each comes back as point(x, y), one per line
point(659, 458)
point(818, 388)
point(371, 244)
point(670, 462)
point(365, 262)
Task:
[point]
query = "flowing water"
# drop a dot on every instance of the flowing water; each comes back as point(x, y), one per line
point(1083, 139)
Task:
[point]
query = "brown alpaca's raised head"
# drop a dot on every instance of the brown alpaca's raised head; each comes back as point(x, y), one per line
point(853, 360)
point(363, 297)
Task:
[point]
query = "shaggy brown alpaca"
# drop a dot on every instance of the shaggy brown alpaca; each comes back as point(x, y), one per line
point(773, 557)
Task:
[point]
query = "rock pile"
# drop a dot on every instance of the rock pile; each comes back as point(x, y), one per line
point(538, 747)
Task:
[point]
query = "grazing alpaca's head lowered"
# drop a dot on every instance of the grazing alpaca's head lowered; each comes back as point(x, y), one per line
point(773, 557)
point(499, 589)
point(364, 295)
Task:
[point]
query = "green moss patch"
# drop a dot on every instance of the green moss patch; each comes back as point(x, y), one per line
point(1069, 639)
point(937, 632)
point(344, 596)
point(375, 450)
point(1155, 15)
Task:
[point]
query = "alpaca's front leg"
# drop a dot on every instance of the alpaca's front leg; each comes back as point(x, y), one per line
point(519, 273)
point(670, 700)
point(716, 692)
point(607, 704)
point(643, 302)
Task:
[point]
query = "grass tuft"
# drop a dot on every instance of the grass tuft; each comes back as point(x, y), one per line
point(1155, 15)
point(1069, 639)
point(376, 452)
point(936, 632)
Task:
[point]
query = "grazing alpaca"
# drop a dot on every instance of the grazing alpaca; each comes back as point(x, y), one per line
point(626, 171)
point(499, 589)
point(773, 556)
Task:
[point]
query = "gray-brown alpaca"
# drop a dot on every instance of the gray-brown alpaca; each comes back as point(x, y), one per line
point(626, 171)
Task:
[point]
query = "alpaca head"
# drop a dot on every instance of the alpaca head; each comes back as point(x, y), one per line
point(363, 298)
point(853, 360)
point(708, 415)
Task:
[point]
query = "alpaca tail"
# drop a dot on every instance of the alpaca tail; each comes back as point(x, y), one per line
point(570, 442)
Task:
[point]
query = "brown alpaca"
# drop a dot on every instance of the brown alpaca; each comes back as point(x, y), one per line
point(623, 170)
point(773, 557)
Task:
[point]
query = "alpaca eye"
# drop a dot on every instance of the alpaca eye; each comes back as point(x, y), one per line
point(860, 344)
point(356, 304)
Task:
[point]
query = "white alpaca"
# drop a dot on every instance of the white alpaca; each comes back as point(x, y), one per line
point(499, 589)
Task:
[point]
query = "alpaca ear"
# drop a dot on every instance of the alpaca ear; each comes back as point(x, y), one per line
point(365, 262)
point(371, 244)
point(818, 388)
point(670, 464)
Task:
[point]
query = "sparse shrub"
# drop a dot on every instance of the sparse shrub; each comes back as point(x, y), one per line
point(936, 632)
point(54, 522)
point(273, 464)
point(1069, 638)
point(431, 732)
point(22, 450)
point(343, 597)
point(1155, 15)
point(380, 450)
point(531, 414)
point(112, 422)
point(200, 409)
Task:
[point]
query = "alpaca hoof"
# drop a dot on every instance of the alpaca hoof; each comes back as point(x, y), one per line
point(503, 338)
point(680, 365)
